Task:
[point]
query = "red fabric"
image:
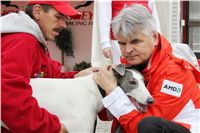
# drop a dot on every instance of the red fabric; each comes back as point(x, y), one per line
point(4, 130)
point(199, 62)
point(24, 58)
point(117, 6)
point(123, 61)
point(102, 115)
point(8, 10)
point(164, 66)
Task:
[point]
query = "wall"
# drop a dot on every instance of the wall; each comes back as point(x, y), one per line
point(169, 13)
point(82, 36)
point(163, 14)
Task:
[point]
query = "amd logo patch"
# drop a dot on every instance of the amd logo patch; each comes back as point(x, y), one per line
point(172, 88)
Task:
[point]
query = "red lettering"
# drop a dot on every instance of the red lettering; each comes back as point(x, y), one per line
point(90, 15)
point(86, 15)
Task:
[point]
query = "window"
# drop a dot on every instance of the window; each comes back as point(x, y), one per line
point(193, 26)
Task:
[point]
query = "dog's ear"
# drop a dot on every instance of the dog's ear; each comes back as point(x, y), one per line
point(119, 69)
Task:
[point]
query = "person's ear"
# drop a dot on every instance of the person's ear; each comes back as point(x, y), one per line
point(155, 38)
point(36, 12)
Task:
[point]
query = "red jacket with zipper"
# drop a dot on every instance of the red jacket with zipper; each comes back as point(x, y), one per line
point(23, 57)
point(183, 109)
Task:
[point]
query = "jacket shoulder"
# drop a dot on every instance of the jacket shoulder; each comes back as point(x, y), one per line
point(22, 36)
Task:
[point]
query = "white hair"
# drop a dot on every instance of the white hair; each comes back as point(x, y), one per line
point(132, 21)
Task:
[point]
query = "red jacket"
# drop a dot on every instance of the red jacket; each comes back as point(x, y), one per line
point(165, 68)
point(23, 57)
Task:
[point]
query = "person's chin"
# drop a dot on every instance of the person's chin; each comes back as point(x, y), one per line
point(51, 38)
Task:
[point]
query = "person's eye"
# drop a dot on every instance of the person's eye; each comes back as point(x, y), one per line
point(121, 43)
point(58, 17)
point(135, 41)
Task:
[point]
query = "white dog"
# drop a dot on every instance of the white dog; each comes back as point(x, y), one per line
point(77, 101)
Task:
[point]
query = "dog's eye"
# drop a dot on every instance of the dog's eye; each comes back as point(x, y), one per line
point(132, 81)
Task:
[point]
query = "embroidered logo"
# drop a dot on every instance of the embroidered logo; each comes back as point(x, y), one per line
point(39, 75)
point(171, 88)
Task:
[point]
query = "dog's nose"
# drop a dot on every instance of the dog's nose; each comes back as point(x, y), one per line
point(150, 100)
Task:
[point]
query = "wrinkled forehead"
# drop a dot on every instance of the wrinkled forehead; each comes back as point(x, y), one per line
point(128, 37)
point(136, 74)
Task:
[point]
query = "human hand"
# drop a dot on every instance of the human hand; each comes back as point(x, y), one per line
point(106, 79)
point(63, 129)
point(107, 52)
point(87, 71)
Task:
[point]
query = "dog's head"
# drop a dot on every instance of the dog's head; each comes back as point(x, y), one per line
point(132, 83)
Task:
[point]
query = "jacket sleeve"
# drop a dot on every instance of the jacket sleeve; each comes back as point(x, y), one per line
point(105, 115)
point(104, 14)
point(56, 70)
point(20, 111)
point(167, 104)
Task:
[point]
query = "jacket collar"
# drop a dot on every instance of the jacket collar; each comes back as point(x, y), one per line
point(161, 50)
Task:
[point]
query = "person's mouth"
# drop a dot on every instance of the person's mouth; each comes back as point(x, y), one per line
point(57, 31)
point(131, 57)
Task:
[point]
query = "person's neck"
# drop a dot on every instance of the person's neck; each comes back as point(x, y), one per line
point(139, 67)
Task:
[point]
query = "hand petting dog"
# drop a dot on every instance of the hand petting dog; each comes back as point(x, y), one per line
point(106, 79)
point(87, 71)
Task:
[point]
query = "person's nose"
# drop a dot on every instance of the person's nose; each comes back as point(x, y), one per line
point(129, 48)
